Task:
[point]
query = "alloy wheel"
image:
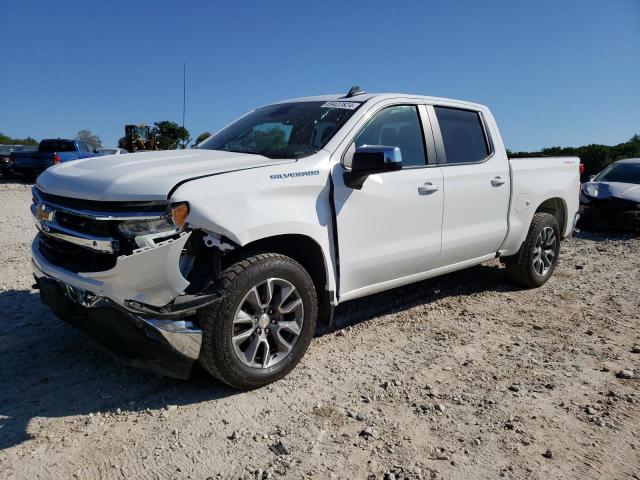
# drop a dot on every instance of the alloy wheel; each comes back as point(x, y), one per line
point(544, 251)
point(267, 323)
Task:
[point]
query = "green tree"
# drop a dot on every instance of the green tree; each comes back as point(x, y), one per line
point(92, 139)
point(6, 140)
point(594, 157)
point(202, 137)
point(170, 135)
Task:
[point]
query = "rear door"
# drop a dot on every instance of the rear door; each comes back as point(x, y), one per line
point(390, 229)
point(476, 185)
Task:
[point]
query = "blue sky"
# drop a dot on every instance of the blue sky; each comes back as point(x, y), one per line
point(554, 72)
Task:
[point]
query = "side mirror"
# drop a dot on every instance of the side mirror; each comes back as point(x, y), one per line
point(592, 177)
point(369, 160)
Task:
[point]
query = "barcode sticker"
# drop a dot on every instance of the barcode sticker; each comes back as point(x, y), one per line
point(345, 105)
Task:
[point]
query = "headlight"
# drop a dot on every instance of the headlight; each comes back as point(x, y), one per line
point(591, 191)
point(173, 220)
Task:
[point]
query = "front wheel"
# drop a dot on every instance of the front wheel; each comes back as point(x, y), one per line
point(262, 327)
point(534, 264)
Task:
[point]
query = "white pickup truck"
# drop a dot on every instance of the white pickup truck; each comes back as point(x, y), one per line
point(230, 253)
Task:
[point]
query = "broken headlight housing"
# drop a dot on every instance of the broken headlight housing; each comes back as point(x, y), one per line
point(174, 220)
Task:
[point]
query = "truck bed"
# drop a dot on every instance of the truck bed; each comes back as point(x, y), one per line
point(535, 180)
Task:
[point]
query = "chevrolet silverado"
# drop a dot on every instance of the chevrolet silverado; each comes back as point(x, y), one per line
point(229, 253)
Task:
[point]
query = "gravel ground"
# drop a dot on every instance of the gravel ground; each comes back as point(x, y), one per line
point(459, 377)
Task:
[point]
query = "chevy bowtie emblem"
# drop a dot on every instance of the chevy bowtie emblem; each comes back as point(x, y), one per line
point(45, 212)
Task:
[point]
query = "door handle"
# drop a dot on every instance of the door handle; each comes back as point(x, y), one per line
point(428, 188)
point(497, 181)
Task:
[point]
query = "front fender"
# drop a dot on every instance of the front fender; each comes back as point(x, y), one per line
point(251, 205)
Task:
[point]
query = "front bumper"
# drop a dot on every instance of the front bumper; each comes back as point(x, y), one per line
point(165, 346)
point(592, 216)
point(149, 276)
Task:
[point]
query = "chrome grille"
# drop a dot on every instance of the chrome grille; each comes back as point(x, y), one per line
point(80, 239)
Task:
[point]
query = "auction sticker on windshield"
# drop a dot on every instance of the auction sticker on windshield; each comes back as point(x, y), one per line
point(345, 105)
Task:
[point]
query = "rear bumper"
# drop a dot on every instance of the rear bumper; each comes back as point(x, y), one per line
point(628, 220)
point(27, 171)
point(5, 168)
point(169, 347)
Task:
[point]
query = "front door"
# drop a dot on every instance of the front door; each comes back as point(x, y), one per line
point(391, 228)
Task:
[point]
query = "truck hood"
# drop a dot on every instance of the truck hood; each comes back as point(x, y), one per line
point(142, 176)
point(625, 191)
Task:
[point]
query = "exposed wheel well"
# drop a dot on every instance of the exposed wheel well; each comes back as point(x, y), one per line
point(301, 248)
point(557, 208)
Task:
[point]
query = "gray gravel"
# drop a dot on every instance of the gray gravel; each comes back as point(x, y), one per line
point(460, 377)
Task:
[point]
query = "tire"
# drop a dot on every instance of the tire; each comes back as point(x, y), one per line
point(532, 266)
point(244, 344)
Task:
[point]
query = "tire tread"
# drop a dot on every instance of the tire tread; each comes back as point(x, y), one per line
point(210, 319)
point(518, 267)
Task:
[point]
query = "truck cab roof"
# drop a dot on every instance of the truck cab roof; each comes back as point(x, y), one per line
point(365, 97)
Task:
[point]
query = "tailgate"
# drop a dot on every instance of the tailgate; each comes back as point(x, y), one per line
point(33, 160)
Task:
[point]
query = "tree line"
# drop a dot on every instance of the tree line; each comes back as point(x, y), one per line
point(169, 136)
point(6, 140)
point(594, 156)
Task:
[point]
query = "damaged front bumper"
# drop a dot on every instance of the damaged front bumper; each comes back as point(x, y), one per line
point(136, 309)
point(128, 273)
point(168, 347)
point(150, 275)
point(597, 216)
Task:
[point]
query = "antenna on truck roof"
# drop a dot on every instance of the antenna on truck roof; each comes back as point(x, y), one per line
point(355, 90)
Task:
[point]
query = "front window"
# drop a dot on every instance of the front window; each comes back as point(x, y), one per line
point(285, 130)
point(396, 126)
point(620, 172)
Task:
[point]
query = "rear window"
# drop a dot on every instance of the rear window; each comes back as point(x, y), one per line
point(462, 135)
point(51, 146)
point(7, 149)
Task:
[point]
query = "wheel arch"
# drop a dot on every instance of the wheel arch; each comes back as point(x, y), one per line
point(557, 207)
point(306, 251)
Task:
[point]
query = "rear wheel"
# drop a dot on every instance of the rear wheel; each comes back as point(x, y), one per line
point(534, 264)
point(261, 329)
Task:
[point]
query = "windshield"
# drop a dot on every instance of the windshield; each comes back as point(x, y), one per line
point(620, 172)
point(140, 132)
point(286, 130)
